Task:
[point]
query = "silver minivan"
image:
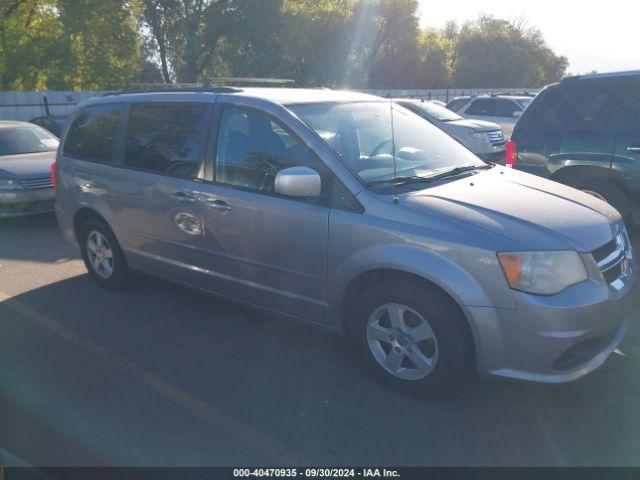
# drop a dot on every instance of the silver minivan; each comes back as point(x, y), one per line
point(352, 213)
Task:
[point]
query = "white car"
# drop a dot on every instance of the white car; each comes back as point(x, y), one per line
point(485, 139)
point(501, 109)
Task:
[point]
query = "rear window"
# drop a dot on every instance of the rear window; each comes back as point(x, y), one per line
point(93, 132)
point(21, 140)
point(166, 139)
point(585, 105)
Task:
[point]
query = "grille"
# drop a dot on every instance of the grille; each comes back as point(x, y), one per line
point(25, 208)
point(496, 137)
point(44, 182)
point(614, 260)
point(496, 157)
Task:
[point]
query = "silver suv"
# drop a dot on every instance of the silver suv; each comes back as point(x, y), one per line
point(352, 213)
point(485, 139)
point(501, 109)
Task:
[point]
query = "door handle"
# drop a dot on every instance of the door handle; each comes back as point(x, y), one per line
point(219, 205)
point(633, 148)
point(183, 197)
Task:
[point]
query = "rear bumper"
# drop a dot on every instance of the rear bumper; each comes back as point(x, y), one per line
point(21, 203)
point(554, 339)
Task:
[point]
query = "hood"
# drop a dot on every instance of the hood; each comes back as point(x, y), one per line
point(529, 211)
point(28, 165)
point(477, 125)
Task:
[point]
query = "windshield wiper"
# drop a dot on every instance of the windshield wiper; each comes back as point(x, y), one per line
point(406, 180)
point(457, 171)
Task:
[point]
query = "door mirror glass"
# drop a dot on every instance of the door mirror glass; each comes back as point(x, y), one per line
point(298, 182)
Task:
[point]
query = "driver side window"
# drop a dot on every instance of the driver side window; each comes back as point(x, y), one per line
point(253, 148)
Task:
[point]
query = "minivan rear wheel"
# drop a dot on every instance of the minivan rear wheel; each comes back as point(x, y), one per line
point(413, 337)
point(102, 254)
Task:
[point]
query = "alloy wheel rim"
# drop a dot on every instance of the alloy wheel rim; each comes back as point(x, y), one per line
point(402, 341)
point(100, 254)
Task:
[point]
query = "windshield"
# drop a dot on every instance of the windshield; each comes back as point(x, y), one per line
point(361, 133)
point(436, 112)
point(19, 140)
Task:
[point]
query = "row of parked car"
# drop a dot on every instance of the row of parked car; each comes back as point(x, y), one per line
point(352, 213)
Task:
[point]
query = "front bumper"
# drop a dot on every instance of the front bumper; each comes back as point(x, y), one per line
point(19, 203)
point(553, 339)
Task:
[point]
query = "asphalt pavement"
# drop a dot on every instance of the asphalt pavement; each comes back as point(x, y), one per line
point(159, 375)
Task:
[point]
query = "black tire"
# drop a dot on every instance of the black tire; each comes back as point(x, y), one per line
point(118, 276)
point(454, 343)
point(610, 192)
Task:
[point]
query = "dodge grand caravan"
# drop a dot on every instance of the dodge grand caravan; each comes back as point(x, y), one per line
point(349, 212)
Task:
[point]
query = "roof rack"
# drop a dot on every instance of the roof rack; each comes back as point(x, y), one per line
point(249, 80)
point(175, 87)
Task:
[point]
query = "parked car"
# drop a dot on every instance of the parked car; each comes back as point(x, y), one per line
point(26, 154)
point(52, 123)
point(340, 210)
point(585, 132)
point(501, 109)
point(485, 139)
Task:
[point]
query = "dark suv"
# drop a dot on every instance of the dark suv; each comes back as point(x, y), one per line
point(585, 132)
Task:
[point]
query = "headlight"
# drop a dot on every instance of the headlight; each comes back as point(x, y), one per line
point(476, 135)
point(542, 273)
point(10, 184)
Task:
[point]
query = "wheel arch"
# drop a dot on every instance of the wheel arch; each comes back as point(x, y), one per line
point(362, 281)
point(572, 173)
point(82, 215)
point(359, 284)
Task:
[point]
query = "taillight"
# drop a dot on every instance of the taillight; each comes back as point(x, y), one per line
point(511, 155)
point(54, 179)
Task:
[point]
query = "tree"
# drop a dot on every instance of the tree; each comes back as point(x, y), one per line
point(490, 52)
point(435, 57)
point(187, 33)
point(68, 44)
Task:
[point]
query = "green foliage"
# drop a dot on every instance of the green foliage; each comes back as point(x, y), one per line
point(103, 44)
point(490, 52)
point(68, 44)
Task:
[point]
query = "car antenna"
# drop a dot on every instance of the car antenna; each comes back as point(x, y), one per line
point(393, 141)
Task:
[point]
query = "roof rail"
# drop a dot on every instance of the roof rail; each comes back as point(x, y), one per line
point(248, 80)
point(175, 87)
point(593, 76)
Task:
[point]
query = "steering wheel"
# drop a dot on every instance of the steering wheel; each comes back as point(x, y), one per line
point(382, 143)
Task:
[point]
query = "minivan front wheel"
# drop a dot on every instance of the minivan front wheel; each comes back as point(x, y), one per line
point(102, 254)
point(413, 336)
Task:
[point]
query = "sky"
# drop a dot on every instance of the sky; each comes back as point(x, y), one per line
point(601, 36)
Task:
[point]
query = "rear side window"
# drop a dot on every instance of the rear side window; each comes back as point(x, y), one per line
point(506, 108)
point(456, 105)
point(166, 139)
point(483, 106)
point(584, 105)
point(93, 132)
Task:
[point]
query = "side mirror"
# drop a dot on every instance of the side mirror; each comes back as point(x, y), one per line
point(517, 114)
point(298, 182)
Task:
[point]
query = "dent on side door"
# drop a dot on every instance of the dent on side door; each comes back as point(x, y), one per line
point(268, 251)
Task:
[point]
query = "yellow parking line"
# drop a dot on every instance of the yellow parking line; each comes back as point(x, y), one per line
point(193, 404)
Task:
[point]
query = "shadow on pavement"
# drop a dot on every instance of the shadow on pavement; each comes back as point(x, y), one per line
point(35, 238)
point(301, 388)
